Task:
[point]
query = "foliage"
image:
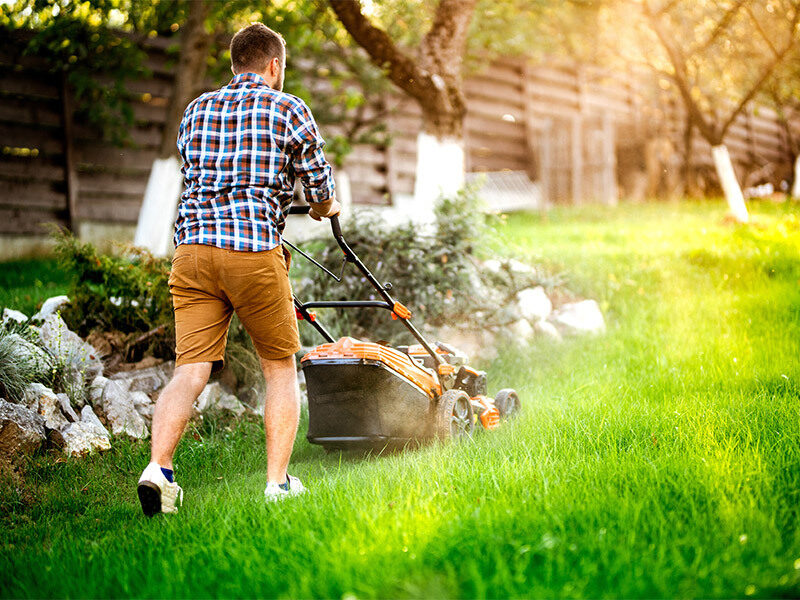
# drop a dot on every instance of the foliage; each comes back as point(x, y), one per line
point(26, 283)
point(647, 462)
point(433, 270)
point(127, 294)
point(16, 370)
point(74, 40)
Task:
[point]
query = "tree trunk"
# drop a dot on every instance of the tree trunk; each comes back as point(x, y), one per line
point(730, 185)
point(796, 184)
point(164, 186)
point(434, 80)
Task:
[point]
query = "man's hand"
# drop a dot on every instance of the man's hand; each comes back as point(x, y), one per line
point(324, 209)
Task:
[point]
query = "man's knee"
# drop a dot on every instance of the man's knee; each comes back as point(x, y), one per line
point(193, 375)
point(278, 367)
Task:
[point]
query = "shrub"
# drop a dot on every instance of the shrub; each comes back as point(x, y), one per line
point(435, 271)
point(127, 294)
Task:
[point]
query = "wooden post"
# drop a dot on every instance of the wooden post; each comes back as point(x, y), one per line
point(576, 140)
point(546, 161)
point(70, 173)
point(390, 153)
point(610, 193)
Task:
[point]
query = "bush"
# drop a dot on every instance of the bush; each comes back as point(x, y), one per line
point(126, 294)
point(435, 271)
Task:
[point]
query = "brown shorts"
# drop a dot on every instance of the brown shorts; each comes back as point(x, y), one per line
point(208, 284)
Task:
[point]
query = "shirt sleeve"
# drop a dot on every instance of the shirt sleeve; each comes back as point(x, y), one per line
point(308, 160)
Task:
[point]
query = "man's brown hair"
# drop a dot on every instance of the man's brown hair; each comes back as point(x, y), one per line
point(254, 46)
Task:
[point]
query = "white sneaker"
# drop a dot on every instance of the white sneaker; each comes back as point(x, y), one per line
point(156, 493)
point(275, 492)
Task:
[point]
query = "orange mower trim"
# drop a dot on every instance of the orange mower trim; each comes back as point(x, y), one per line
point(402, 364)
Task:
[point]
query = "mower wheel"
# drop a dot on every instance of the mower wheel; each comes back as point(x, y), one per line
point(507, 402)
point(454, 415)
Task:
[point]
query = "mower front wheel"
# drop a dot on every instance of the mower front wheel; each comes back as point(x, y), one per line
point(507, 402)
point(455, 418)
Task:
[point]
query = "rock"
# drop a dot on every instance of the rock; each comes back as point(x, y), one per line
point(66, 407)
point(96, 390)
point(50, 307)
point(208, 397)
point(520, 331)
point(547, 329)
point(519, 268)
point(143, 405)
point(149, 380)
point(120, 412)
point(9, 314)
point(89, 416)
point(37, 359)
point(579, 317)
point(44, 401)
point(231, 403)
point(68, 346)
point(21, 430)
point(533, 304)
point(493, 266)
point(86, 435)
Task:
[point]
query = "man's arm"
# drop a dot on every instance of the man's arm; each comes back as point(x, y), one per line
point(310, 164)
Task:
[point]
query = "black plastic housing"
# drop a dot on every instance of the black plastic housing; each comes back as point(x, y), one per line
point(362, 403)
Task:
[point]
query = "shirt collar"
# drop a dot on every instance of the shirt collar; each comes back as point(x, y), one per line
point(243, 79)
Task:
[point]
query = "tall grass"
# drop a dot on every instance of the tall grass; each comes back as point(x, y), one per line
point(659, 459)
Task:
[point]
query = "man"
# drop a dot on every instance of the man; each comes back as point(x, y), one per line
point(242, 146)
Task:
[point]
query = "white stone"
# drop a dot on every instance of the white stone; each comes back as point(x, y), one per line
point(143, 404)
point(533, 304)
point(79, 356)
point(66, 407)
point(89, 416)
point(21, 430)
point(9, 314)
point(519, 268)
point(120, 411)
point(231, 403)
point(84, 437)
point(50, 307)
point(580, 317)
point(475, 343)
point(149, 380)
point(547, 329)
point(492, 265)
point(44, 401)
point(520, 331)
point(96, 390)
point(208, 397)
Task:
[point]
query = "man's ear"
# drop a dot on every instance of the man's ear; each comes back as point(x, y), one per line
point(275, 67)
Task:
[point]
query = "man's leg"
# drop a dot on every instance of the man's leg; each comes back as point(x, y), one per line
point(174, 409)
point(281, 415)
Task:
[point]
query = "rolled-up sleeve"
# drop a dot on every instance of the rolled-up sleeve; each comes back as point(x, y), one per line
point(308, 159)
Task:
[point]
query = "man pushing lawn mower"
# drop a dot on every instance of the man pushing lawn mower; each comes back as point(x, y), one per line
point(242, 146)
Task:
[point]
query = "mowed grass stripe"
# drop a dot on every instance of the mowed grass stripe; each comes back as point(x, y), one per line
point(661, 458)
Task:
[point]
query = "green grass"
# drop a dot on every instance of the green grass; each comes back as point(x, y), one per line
point(660, 459)
point(26, 283)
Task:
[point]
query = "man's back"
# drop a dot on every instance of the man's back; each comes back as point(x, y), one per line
point(242, 146)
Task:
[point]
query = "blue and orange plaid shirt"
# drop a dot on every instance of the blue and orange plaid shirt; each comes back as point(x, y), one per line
point(242, 147)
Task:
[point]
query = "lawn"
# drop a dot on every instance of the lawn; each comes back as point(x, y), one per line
point(659, 459)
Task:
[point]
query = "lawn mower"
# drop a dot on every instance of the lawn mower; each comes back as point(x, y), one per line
point(370, 395)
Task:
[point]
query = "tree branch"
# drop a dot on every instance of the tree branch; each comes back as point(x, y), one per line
point(766, 74)
point(719, 28)
point(383, 52)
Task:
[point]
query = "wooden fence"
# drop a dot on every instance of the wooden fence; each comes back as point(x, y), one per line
point(576, 129)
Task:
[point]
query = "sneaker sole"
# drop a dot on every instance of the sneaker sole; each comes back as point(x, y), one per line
point(149, 498)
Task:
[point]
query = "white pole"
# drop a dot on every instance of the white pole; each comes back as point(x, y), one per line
point(730, 185)
point(159, 207)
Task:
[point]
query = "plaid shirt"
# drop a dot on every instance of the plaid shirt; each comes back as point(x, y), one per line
point(242, 146)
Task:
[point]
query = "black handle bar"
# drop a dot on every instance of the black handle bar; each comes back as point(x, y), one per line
point(305, 209)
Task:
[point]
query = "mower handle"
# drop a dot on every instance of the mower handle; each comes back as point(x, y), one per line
point(305, 209)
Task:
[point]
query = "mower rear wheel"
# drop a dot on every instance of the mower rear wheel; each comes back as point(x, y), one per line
point(507, 402)
point(454, 415)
